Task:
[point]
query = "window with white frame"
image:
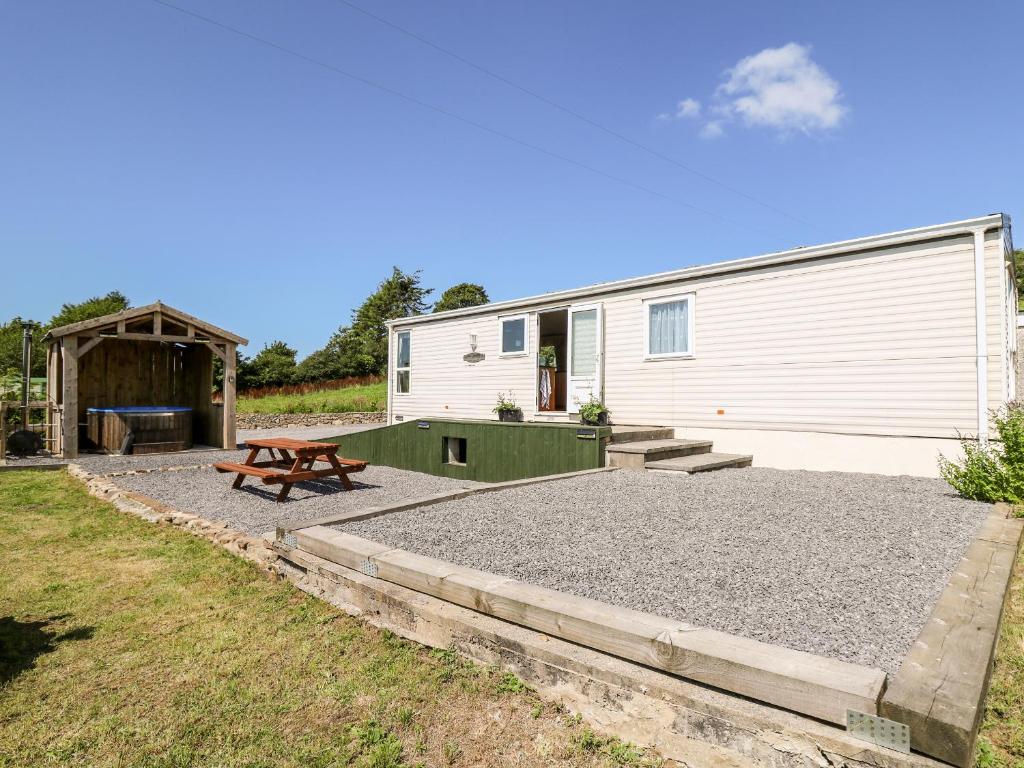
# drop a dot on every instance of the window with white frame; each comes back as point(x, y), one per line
point(513, 335)
point(668, 327)
point(403, 363)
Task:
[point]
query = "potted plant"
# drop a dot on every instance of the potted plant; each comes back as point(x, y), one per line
point(547, 358)
point(507, 409)
point(593, 413)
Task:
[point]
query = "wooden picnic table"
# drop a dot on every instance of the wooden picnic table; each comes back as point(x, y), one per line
point(297, 458)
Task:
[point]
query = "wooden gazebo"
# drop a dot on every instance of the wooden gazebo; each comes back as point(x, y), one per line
point(149, 356)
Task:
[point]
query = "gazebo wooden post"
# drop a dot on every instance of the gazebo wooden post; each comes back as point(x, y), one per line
point(52, 428)
point(69, 350)
point(230, 438)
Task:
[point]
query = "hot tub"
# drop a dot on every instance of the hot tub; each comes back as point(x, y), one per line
point(151, 428)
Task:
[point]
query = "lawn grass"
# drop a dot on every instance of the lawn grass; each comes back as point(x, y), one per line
point(1001, 742)
point(123, 643)
point(367, 397)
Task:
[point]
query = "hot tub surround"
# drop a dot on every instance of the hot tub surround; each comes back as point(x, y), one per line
point(140, 428)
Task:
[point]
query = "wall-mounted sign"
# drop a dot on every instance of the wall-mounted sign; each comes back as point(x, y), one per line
point(473, 357)
point(423, 425)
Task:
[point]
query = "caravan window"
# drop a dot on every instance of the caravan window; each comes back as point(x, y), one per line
point(513, 335)
point(403, 363)
point(668, 327)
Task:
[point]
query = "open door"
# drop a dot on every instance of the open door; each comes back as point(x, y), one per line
point(586, 344)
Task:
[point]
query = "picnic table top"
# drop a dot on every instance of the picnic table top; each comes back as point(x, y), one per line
point(290, 444)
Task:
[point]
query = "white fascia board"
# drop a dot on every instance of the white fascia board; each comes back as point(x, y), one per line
point(804, 253)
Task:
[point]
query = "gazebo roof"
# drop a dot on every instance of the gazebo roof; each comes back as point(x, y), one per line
point(127, 315)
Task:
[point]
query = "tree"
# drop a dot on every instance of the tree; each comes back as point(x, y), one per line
point(244, 378)
point(461, 295)
point(11, 333)
point(11, 336)
point(97, 306)
point(361, 348)
point(273, 366)
point(1018, 268)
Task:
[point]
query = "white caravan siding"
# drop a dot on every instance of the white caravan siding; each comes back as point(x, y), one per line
point(441, 384)
point(867, 343)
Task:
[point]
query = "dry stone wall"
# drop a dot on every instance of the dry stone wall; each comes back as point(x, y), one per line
point(277, 420)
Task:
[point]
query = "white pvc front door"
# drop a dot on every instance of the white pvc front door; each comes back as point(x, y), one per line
point(585, 347)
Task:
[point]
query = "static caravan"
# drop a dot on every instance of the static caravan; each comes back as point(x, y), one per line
point(867, 355)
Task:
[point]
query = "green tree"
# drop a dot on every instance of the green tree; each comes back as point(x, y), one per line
point(244, 377)
point(272, 366)
point(11, 333)
point(462, 295)
point(361, 348)
point(1018, 265)
point(97, 306)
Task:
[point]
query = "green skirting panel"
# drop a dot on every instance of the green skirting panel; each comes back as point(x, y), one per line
point(488, 451)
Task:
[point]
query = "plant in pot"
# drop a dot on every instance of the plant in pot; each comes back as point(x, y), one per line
point(593, 413)
point(507, 409)
point(547, 358)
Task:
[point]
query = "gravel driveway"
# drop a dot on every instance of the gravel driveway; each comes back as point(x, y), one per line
point(843, 565)
point(253, 508)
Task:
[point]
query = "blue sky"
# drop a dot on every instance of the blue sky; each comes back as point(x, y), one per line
point(149, 151)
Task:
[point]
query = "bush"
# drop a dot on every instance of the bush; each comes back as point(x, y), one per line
point(993, 472)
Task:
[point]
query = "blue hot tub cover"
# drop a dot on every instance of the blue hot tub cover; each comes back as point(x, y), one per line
point(141, 409)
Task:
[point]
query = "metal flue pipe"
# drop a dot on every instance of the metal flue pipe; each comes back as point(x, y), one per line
point(26, 369)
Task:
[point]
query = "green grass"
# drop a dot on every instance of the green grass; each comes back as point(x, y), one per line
point(1001, 742)
point(123, 643)
point(368, 397)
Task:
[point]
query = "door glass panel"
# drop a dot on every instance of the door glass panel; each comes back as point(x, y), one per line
point(584, 343)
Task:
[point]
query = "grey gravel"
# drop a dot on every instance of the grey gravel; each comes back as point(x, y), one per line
point(842, 565)
point(253, 508)
point(104, 464)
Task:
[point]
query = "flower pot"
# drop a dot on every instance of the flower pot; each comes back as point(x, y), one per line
point(600, 421)
point(516, 415)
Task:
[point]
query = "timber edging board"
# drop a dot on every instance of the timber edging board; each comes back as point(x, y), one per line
point(801, 682)
point(939, 690)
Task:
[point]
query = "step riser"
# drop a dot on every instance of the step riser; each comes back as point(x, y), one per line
point(639, 460)
point(635, 436)
point(712, 464)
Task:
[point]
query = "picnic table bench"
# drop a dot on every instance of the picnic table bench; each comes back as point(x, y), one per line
point(298, 467)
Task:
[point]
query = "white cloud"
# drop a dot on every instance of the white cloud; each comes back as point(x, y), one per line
point(778, 88)
point(783, 88)
point(685, 109)
point(712, 129)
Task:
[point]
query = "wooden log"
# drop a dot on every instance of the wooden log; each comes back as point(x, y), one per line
point(939, 690)
point(802, 682)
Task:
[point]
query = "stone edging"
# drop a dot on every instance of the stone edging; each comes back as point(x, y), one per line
point(272, 420)
point(254, 549)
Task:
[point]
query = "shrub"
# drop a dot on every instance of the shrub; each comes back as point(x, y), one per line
point(993, 472)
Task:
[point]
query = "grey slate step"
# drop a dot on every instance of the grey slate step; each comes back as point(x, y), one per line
point(626, 433)
point(636, 454)
point(701, 462)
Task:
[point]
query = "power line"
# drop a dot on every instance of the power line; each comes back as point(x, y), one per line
point(569, 111)
point(447, 113)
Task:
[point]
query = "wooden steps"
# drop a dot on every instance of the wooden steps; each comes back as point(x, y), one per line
point(701, 462)
point(636, 455)
point(656, 448)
